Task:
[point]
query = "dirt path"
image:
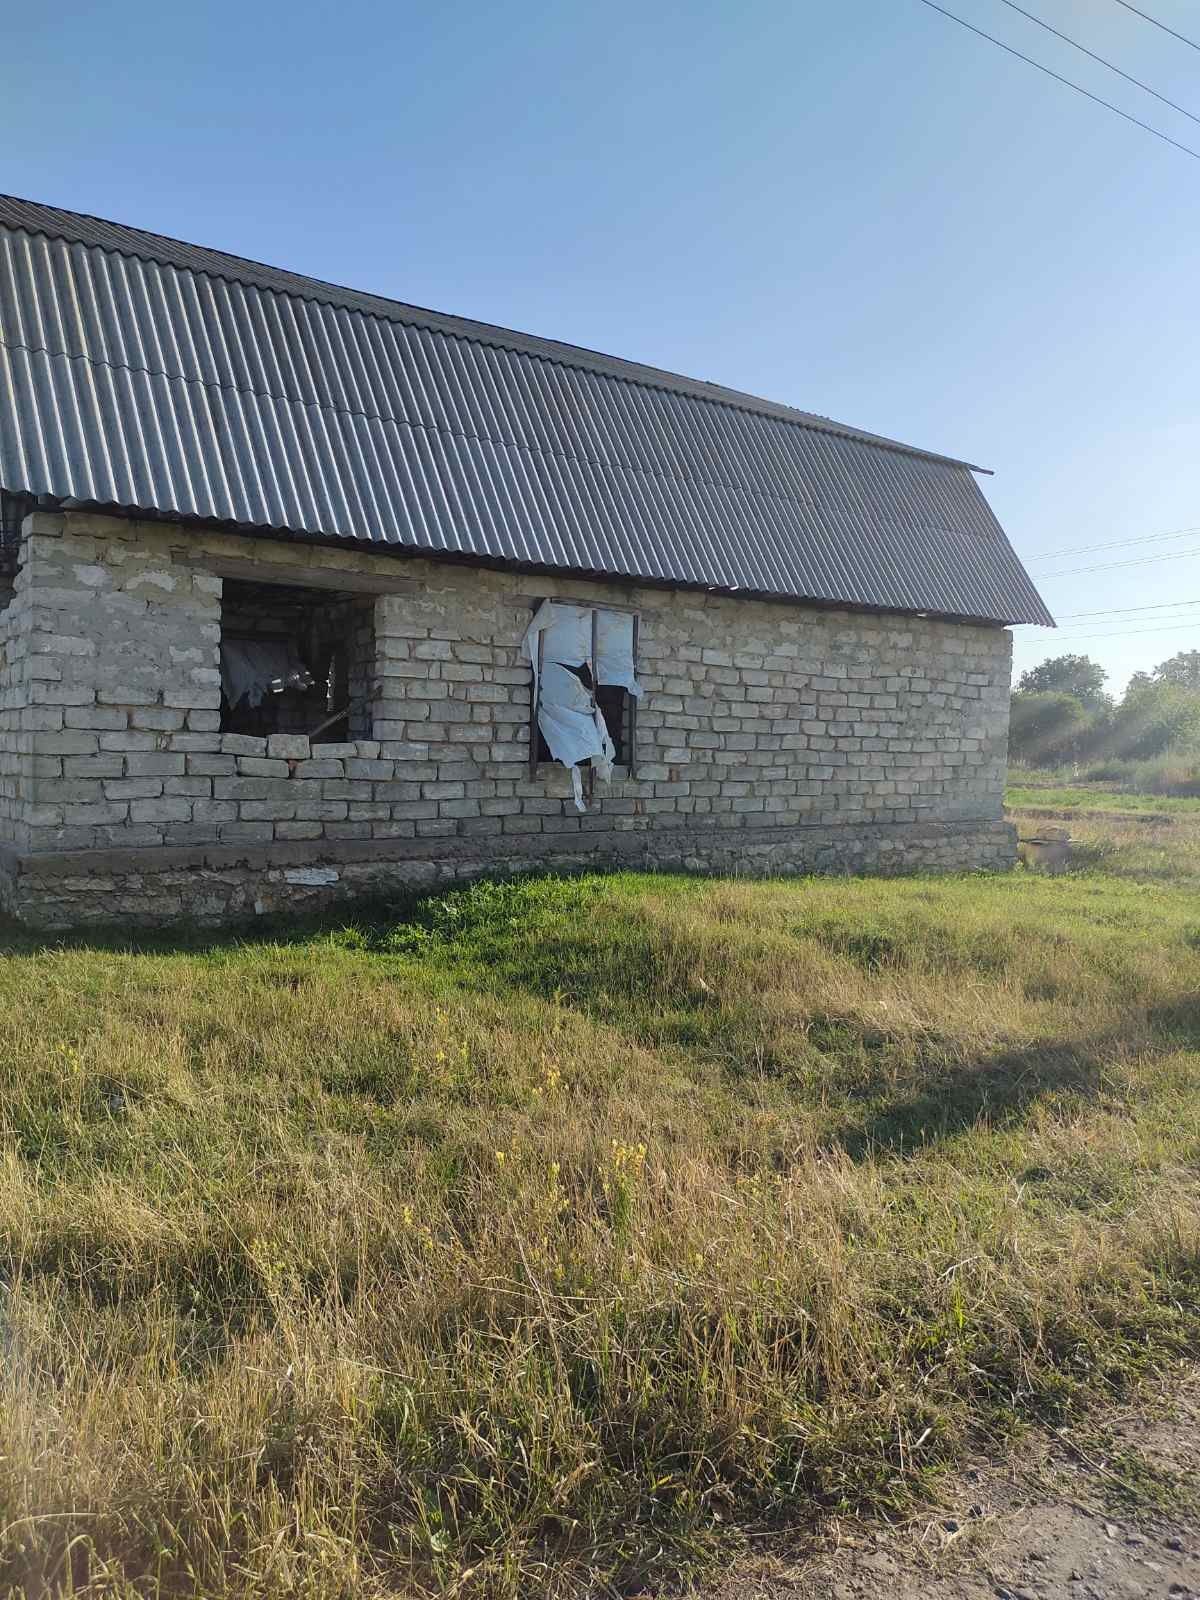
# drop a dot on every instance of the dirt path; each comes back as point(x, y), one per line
point(1108, 1513)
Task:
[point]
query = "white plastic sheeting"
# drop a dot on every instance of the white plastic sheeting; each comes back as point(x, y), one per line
point(614, 650)
point(251, 669)
point(570, 720)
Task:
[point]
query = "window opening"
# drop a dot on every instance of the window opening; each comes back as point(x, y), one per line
point(585, 692)
point(296, 660)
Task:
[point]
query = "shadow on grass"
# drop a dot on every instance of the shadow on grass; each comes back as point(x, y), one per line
point(1000, 1090)
point(371, 918)
point(572, 940)
point(374, 923)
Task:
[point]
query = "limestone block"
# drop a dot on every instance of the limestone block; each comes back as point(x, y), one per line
point(246, 832)
point(128, 740)
point(106, 718)
point(268, 810)
point(154, 764)
point(63, 644)
point(162, 810)
point(211, 766)
point(299, 830)
point(96, 812)
point(359, 768)
point(252, 788)
point(93, 766)
point(72, 743)
point(288, 746)
point(317, 809)
point(133, 789)
point(127, 694)
point(262, 766)
point(348, 830)
point(319, 769)
point(56, 791)
point(163, 719)
point(214, 811)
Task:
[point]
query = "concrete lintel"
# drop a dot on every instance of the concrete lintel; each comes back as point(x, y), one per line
point(297, 574)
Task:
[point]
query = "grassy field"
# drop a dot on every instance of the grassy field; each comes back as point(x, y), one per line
point(1069, 797)
point(563, 1233)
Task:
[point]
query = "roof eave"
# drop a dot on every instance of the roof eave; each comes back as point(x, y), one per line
point(409, 552)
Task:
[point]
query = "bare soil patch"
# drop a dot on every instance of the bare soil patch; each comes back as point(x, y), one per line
point(1105, 1514)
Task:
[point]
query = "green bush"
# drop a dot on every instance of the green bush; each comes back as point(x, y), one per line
point(1155, 719)
point(1046, 729)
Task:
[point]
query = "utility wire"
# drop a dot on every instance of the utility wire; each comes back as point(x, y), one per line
point(1107, 566)
point(1120, 611)
point(1112, 544)
point(1126, 633)
point(1129, 78)
point(1057, 76)
point(1158, 625)
point(1088, 639)
point(1146, 17)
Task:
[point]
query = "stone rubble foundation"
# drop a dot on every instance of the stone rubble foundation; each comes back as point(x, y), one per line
point(221, 886)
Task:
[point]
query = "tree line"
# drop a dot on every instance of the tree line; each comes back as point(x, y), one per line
point(1061, 713)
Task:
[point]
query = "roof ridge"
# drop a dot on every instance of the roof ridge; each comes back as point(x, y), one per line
point(36, 217)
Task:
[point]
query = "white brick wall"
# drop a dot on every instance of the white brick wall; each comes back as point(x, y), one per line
point(756, 715)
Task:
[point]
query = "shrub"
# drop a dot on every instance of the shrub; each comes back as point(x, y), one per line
point(1156, 719)
point(1046, 729)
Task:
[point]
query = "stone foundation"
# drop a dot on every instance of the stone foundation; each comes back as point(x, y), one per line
point(220, 885)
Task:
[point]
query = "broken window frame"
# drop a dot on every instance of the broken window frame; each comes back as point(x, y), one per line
point(280, 600)
point(628, 734)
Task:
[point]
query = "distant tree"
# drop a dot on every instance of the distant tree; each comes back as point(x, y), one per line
point(1078, 676)
point(1046, 730)
point(1156, 716)
point(1183, 669)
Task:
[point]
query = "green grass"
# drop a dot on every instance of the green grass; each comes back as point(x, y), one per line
point(1070, 798)
point(540, 1241)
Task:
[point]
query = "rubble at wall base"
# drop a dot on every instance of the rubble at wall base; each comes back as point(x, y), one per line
point(210, 887)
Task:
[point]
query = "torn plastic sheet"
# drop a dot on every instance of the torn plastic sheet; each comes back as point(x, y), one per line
point(568, 631)
point(614, 650)
point(251, 669)
point(569, 719)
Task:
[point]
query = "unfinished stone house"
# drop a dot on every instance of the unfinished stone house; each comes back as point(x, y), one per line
point(310, 594)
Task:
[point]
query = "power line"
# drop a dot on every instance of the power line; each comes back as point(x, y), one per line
point(1129, 78)
point(1120, 611)
point(1146, 17)
point(1108, 566)
point(1113, 544)
point(1126, 633)
point(1050, 73)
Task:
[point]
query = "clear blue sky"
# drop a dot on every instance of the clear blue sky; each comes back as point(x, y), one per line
point(854, 206)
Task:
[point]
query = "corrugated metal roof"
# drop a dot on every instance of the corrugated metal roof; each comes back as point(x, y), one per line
point(146, 374)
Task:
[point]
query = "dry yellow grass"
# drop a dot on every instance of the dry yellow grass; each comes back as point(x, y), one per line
point(544, 1240)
